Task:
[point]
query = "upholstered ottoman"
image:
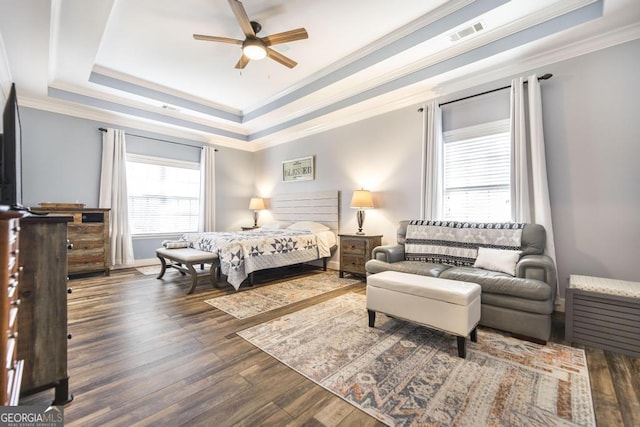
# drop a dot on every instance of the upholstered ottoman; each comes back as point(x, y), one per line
point(448, 305)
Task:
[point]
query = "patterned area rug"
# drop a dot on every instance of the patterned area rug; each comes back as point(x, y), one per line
point(408, 375)
point(255, 301)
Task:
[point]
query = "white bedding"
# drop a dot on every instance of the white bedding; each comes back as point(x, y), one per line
point(244, 252)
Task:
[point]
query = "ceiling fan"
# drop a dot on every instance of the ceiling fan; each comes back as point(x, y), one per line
point(254, 47)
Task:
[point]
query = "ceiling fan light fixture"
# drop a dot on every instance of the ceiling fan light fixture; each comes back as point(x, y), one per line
point(254, 49)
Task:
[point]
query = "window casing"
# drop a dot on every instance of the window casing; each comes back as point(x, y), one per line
point(477, 173)
point(163, 195)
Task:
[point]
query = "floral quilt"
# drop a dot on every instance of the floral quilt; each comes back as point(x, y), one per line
point(242, 253)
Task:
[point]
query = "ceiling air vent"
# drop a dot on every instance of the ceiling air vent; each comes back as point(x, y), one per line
point(465, 32)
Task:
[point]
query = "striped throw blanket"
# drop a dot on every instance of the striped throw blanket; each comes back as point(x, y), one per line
point(457, 243)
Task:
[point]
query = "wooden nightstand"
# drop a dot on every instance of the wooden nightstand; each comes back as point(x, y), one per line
point(355, 251)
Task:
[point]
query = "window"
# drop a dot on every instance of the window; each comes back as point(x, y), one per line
point(477, 173)
point(164, 195)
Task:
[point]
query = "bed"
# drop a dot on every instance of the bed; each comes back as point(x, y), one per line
point(304, 229)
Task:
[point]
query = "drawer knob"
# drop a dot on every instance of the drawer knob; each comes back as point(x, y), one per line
point(69, 290)
point(69, 336)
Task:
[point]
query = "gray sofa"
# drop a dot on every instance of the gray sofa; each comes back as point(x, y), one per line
point(521, 304)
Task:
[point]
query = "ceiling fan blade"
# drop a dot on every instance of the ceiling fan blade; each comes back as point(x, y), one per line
point(278, 57)
point(287, 36)
point(217, 39)
point(244, 60)
point(242, 17)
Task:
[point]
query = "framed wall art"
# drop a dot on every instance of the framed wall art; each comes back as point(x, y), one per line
point(300, 169)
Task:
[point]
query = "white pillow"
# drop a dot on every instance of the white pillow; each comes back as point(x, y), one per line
point(502, 260)
point(274, 225)
point(314, 227)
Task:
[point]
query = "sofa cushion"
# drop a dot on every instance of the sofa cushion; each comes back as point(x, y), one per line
point(414, 267)
point(457, 243)
point(498, 260)
point(518, 304)
point(494, 282)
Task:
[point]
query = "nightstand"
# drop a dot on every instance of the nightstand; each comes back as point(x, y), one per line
point(248, 228)
point(355, 251)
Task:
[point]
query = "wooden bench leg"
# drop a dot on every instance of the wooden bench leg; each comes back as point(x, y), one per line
point(164, 267)
point(474, 334)
point(372, 318)
point(194, 277)
point(214, 273)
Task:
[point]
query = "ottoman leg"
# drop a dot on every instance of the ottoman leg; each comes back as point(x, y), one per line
point(462, 349)
point(474, 334)
point(372, 318)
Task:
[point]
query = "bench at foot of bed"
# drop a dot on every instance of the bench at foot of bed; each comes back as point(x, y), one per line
point(184, 259)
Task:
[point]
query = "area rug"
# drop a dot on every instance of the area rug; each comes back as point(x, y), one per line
point(255, 301)
point(151, 270)
point(408, 375)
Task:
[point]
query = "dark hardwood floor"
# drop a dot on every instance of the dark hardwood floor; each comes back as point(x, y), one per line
point(145, 353)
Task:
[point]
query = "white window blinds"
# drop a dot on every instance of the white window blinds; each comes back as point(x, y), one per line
point(164, 195)
point(477, 173)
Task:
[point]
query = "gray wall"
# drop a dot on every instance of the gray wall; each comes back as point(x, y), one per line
point(381, 154)
point(62, 156)
point(592, 132)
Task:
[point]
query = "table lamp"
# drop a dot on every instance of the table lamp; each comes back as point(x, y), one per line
point(361, 200)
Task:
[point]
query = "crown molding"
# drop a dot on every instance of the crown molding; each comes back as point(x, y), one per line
point(106, 116)
point(5, 72)
point(501, 71)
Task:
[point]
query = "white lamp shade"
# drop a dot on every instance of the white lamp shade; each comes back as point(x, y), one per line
point(362, 199)
point(256, 204)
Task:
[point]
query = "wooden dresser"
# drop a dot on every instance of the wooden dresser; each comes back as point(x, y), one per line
point(9, 277)
point(355, 251)
point(43, 309)
point(88, 236)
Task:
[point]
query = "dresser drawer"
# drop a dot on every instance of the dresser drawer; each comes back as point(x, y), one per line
point(353, 246)
point(353, 264)
point(86, 231)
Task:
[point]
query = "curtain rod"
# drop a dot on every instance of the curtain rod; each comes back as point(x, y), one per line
point(542, 77)
point(158, 139)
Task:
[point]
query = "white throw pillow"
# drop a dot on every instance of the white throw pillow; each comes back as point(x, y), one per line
point(502, 260)
point(274, 225)
point(314, 227)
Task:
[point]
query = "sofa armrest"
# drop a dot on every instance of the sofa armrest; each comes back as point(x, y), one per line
point(539, 267)
point(389, 253)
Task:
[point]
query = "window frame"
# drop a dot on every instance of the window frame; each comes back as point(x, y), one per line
point(167, 162)
point(484, 130)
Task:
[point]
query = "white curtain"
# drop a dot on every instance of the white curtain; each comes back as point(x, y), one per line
point(113, 195)
point(432, 163)
point(530, 192)
point(207, 189)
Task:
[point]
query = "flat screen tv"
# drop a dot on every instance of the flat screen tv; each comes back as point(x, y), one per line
point(11, 154)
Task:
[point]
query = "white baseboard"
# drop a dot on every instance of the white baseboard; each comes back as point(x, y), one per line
point(138, 263)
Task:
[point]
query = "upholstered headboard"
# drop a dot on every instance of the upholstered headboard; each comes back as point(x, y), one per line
point(321, 206)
